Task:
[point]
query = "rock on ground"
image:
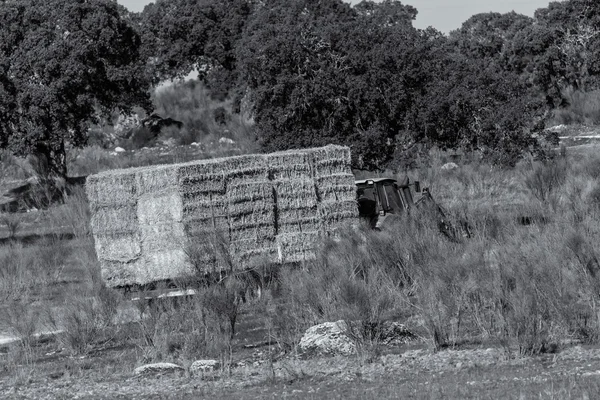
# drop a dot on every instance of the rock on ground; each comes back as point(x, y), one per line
point(157, 368)
point(328, 338)
point(200, 366)
point(449, 166)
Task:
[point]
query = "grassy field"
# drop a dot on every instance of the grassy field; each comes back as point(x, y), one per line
point(524, 285)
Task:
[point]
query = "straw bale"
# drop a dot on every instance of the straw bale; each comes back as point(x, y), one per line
point(250, 252)
point(250, 191)
point(333, 212)
point(298, 220)
point(124, 248)
point(122, 219)
point(307, 225)
point(118, 273)
point(157, 179)
point(201, 207)
point(241, 169)
point(165, 264)
point(294, 194)
point(202, 184)
point(337, 187)
point(331, 160)
point(160, 208)
point(198, 168)
point(201, 227)
point(253, 232)
point(162, 236)
point(111, 190)
point(293, 164)
point(240, 221)
point(295, 247)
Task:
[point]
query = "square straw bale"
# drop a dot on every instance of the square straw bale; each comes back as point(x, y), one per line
point(305, 225)
point(331, 160)
point(293, 164)
point(250, 191)
point(255, 258)
point(123, 248)
point(116, 220)
point(258, 232)
point(119, 273)
point(334, 212)
point(337, 187)
point(207, 226)
point(165, 236)
point(294, 194)
point(111, 189)
point(249, 252)
point(201, 207)
point(296, 247)
point(165, 264)
point(160, 208)
point(203, 184)
point(242, 169)
point(156, 179)
point(297, 214)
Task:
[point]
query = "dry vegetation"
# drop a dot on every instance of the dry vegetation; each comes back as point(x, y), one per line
point(525, 282)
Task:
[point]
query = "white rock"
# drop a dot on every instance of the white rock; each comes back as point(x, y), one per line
point(226, 140)
point(194, 144)
point(330, 338)
point(157, 368)
point(200, 366)
point(119, 150)
point(449, 166)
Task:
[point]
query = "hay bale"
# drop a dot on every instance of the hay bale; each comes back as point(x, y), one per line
point(248, 253)
point(337, 187)
point(243, 169)
point(196, 227)
point(163, 265)
point(204, 206)
point(289, 165)
point(160, 208)
point(297, 247)
point(122, 248)
point(332, 159)
point(154, 180)
point(157, 237)
point(335, 214)
point(295, 194)
point(250, 192)
point(298, 220)
point(111, 190)
point(119, 220)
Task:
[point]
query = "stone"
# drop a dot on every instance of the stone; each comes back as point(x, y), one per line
point(225, 140)
point(449, 166)
point(157, 368)
point(119, 150)
point(329, 338)
point(395, 333)
point(200, 366)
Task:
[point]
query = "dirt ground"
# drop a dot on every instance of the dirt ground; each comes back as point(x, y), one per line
point(410, 372)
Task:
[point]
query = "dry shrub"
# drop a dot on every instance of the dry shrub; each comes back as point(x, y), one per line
point(545, 179)
point(12, 223)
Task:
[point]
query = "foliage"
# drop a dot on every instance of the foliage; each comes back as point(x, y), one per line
point(62, 62)
point(180, 36)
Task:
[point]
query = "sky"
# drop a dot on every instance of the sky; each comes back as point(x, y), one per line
point(444, 15)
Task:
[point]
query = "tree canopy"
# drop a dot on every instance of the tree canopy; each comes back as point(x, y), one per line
point(61, 63)
point(314, 71)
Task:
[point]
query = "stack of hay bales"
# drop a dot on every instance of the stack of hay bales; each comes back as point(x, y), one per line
point(298, 222)
point(251, 211)
point(335, 185)
point(262, 208)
